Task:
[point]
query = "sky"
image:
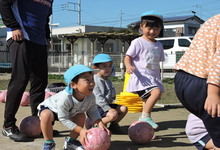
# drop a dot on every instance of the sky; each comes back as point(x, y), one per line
point(120, 13)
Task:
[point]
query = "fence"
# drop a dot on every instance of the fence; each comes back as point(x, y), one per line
point(58, 63)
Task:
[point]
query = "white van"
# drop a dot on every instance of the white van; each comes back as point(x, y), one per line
point(173, 44)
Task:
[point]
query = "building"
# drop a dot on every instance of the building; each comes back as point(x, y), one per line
point(182, 25)
point(176, 26)
point(2, 35)
point(78, 44)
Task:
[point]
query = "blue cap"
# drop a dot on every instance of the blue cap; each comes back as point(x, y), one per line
point(152, 13)
point(72, 72)
point(101, 58)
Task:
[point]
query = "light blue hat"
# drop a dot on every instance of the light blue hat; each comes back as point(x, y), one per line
point(152, 13)
point(101, 58)
point(72, 72)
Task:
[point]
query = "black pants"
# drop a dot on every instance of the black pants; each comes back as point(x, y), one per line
point(29, 63)
point(192, 93)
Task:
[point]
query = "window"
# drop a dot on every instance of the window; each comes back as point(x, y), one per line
point(192, 30)
point(108, 48)
point(57, 47)
point(167, 44)
point(68, 48)
point(184, 42)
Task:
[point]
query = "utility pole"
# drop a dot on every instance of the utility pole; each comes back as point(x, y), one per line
point(76, 7)
point(121, 18)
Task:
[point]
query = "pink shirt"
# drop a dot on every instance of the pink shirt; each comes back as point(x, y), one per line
point(146, 57)
point(203, 57)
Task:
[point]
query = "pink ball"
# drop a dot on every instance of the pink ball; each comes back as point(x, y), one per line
point(3, 96)
point(30, 126)
point(98, 139)
point(140, 132)
point(25, 100)
point(49, 94)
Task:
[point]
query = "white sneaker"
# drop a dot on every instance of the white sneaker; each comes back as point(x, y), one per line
point(72, 145)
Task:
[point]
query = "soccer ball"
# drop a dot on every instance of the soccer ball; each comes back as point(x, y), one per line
point(140, 132)
point(3, 96)
point(25, 100)
point(30, 126)
point(98, 139)
point(49, 94)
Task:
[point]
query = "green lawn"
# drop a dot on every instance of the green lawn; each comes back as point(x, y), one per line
point(168, 97)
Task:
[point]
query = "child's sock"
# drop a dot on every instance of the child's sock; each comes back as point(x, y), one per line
point(145, 115)
point(49, 141)
point(71, 139)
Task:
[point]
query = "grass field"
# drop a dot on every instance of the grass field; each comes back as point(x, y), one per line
point(168, 97)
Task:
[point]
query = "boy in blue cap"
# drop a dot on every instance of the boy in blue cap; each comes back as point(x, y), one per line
point(69, 107)
point(105, 94)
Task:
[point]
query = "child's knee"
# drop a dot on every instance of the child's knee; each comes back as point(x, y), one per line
point(156, 92)
point(113, 115)
point(124, 109)
point(46, 115)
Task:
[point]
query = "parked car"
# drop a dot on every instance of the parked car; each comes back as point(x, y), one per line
point(174, 48)
point(173, 44)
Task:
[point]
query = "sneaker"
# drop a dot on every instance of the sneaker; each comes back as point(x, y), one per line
point(72, 145)
point(49, 146)
point(150, 121)
point(15, 134)
point(115, 128)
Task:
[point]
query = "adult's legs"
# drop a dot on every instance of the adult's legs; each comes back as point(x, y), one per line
point(39, 76)
point(18, 82)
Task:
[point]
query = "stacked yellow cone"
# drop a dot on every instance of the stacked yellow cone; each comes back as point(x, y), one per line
point(132, 101)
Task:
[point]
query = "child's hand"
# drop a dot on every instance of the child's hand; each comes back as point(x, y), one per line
point(83, 136)
point(130, 69)
point(103, 127)
point(212, 105)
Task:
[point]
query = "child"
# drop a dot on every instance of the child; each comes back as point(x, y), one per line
point(105, 94)
point(197, 133)
point(197, 81)
point(142, 62)
point(69, 106)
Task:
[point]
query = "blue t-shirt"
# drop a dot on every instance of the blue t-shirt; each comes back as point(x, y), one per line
point(32, 17)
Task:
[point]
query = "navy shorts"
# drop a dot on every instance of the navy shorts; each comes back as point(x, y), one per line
point(200, 145)
point(192, 92)
point(145, 94)
point(104, 113)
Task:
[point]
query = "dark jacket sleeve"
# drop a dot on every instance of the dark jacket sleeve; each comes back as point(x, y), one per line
point(7, 14)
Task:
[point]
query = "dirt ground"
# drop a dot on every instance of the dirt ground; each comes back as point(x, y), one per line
point(170, 135)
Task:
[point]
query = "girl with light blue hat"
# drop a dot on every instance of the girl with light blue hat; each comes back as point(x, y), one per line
point(69, 107)
point(105, 94)
point(142, 62)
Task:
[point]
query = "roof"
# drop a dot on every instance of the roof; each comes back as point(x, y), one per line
point(182, 18)
point(172, 19)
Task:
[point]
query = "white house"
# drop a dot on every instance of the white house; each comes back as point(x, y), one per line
point(182, 25)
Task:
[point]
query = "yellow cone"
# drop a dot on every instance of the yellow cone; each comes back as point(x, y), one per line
point(131, 100)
